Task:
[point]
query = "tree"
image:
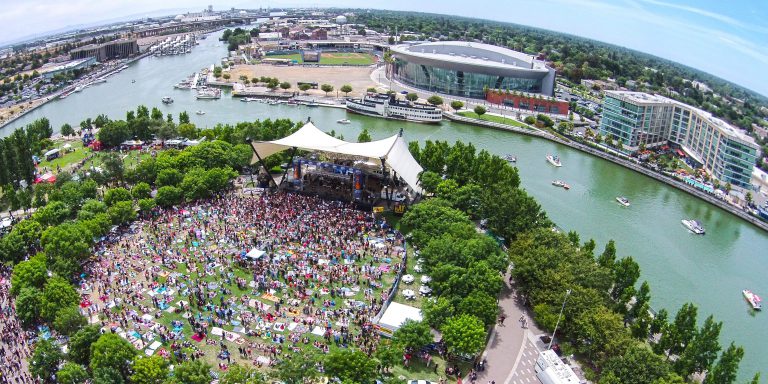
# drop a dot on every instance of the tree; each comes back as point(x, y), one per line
point(464, 335)
point(115, 195)
point(412, 97)
point(435, 100)
point(45, 360)
point(141, 190)
point(149, 370)
point(326, 88)
point(456, 105)
point(80, 344)
point(28, 305)
point(389, 354)
point(71, 373)
point(724, 372)
point(192, 372)
point(107, 375)
point(54, 213)
point(226, 76)
point(702, 352)
point(113, 352)
point(67, 130)
point(481, 305)
point(114, 133)
point(57, 295)
point(371, 90)
point(183, 117)
point(364, 136)
point(29, 274)
point(297, 369)
point(304, 87)
point(480, 110)
point(412, 335)
point(436, 311)
point(146, 205)
point(237, 374)
point(169, 196)
point(69, 320)
point(350, 366)
point(346, 88)
point(168, 177)
point(114, 166)
point(683, 330)
point(637, 366)
point(66, 246)
point(285, 85)
point(122, 212)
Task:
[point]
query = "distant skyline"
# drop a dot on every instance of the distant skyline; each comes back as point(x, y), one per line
point(728, 39)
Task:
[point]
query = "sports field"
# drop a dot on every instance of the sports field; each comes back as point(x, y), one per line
point(334, 58)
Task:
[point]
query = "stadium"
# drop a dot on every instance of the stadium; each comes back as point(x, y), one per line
point(467, 69)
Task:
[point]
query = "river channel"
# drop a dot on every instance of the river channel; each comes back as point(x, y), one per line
point(709, 270)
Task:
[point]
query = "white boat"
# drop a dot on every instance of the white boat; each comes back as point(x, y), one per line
point(623, 201)
point(389, 107)
point(554, 160)
point(560, 183)
point(167, 100)
point(694, 226)
point(753, 299)
point(200, 112)
point(209, 93)
point(343, 121)
point(510, 158)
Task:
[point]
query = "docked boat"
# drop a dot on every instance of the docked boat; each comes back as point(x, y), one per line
point(623, 201)
point(694, 226)
point(389, 107)
point(753, 299)
point(167, 100)
point(209, 93)
point(200, 112)
point(510, 158)
point(343, 121)
point(554, 160)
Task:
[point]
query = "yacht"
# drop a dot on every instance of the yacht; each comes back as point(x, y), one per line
point(753, 299)
point(209, 93)
point(554, 160)
point(389, 107)
point(343, 121)
point(200, 112)
point(623, 201)
point(510, 158)
point(167, 100)
point(694, 226)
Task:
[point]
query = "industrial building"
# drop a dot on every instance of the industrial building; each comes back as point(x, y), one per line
point(468, 69)
point(118, 49)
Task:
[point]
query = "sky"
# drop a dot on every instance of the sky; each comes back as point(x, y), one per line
point(728, 38)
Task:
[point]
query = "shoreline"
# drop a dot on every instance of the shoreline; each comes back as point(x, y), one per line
point(619, 161)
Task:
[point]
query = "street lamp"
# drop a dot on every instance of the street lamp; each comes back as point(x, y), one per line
point(567, 293)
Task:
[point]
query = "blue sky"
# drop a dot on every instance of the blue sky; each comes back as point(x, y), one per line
point(726, 38)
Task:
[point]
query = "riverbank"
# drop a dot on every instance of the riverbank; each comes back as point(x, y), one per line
point(620, 161)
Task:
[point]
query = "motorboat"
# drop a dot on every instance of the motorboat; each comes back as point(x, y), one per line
point(167, 100)
point(209, 93)
point(753, 299)
point(694, 226)
point(200, 112)
point(554, 160)
point(560, 183)
point(510, 158)
point(623, 201)
point(343, 121)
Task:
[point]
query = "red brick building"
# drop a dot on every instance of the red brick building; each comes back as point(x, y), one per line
point(529, 102)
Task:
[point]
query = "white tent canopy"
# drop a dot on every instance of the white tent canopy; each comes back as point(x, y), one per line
point(393, 150)
point(255, 254)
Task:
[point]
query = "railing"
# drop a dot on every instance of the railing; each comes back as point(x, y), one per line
point(395, 284)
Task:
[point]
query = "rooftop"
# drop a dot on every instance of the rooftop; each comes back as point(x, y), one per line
point(473, 53)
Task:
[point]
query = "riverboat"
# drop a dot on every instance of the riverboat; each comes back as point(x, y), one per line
point(389, 107)
point(167, 100)
point(343, 121)
point(209, 93)
point(623, 201)
point(554, 160)
point(694, 226)
point(510, 158)
point(753, 299)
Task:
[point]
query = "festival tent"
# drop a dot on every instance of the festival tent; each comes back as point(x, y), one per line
point(392, 150)
point(394, 317)
point(255, 254)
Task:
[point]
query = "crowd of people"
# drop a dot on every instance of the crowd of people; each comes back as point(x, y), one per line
point(265, 275)
point(14, 344)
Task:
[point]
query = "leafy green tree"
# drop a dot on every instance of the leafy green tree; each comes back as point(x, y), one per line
point(113, 165)
point(464, 335)
point(141, 190)
point(388, 354)
point(304, 87)
point(149, 370)
point(480, 110)
point(107, 375)
point(146, 205)
point(436, 311)
point(69, 320)
point(114, 133)
point(702, 351)
point(169, 177)
point(435, 100)
point(66, 245)
point(45, 360)
point(111, 351)
point(29, 274)
point(192, 372)
point(511, 212)
point(28, 305)
point(169, 196)
point(72, 373)
point(430, 180)
point(122, 212)
point(80, 344)
point(530, 120)
point(637, 366)
point(114, 195)
point(412, 97)
point(683, 330)
point(285, 85)
point(346, 88)
point(351, 366)
point(297, 369)
point(626, 271)
point(238, 374)
point(53, 213)
point(608, 257)
point(724, 372)
point(481, 305)
point(600, 333)
point(326, 88)
point(57, 295)
point(456, 105)
point(371, 90)
point(67, 130)
point(412, 335)
point(364, 136)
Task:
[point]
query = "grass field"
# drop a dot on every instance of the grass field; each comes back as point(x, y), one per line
point(494, 119)
point(334, 58)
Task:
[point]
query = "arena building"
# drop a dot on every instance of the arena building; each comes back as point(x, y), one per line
point(469, 69)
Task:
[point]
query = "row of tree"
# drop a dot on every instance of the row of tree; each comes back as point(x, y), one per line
point(16, 152)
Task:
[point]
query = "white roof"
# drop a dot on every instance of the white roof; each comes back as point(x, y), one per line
point(396, 314)
point(394, 150)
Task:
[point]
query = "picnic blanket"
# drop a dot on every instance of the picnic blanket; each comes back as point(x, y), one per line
point(270, 297)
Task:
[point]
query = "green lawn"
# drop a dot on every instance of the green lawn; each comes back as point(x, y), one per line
point(78, 154)
point(494, 119)
point(333, 58)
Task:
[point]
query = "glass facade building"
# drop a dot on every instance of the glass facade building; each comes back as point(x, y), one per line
point(637, 118)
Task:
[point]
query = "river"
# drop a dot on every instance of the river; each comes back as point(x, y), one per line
point(709, 270)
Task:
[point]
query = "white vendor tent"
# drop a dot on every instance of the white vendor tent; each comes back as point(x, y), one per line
point(255, 254)
point(395, 315)
point(393, 150)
